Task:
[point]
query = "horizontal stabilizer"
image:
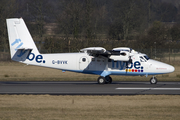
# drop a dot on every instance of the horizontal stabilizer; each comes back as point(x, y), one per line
point(21, 54)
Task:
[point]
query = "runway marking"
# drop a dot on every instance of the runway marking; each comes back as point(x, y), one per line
point(147, 88)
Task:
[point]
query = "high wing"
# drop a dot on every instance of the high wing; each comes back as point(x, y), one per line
point(116, 54)
point(95, 51)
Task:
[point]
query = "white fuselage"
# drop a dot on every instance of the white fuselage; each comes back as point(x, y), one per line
point(82, 62)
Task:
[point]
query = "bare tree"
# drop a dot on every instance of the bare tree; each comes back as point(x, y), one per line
point(8, 9)
point(125, 16)
point(38, 11)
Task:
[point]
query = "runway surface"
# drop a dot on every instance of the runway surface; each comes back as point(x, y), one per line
point(90, 88)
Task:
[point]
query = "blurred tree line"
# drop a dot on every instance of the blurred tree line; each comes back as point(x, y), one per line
point(150, 26)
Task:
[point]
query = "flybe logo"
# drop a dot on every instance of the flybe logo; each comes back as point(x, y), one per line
point(133, 67)
point(31, 56)
point(17, 41)
point(38, 58)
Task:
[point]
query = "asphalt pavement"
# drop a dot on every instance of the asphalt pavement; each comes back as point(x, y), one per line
point(90, 88)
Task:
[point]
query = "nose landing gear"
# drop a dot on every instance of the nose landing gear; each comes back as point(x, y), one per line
point(153, 80)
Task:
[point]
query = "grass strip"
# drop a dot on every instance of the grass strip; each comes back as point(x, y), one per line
point(149, 107)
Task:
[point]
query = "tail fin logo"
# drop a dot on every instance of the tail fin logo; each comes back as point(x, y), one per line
point(17, 41)
point(38, 58)
point(22, 52)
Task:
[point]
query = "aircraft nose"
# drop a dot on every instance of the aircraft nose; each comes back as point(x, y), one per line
point(161, 67)
point(171, 68)
point(165, 68)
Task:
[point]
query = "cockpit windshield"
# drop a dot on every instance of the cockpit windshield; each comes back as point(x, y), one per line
point(142, 59)
point(146, 57)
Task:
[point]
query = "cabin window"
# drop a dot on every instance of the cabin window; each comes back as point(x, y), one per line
point(93, 59)
point(84, 59)
point(98, 60)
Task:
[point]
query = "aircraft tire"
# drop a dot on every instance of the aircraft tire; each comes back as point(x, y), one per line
point(101, 80)
point(153, 80)
point(108, 80)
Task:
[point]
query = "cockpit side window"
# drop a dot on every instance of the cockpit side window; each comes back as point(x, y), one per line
point(146, 57)
point(142, 59)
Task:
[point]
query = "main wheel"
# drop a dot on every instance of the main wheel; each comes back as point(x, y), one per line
point(153, 80)
point(108, 79)
point(101, 80)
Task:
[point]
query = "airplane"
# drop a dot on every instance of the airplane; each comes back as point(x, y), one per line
point(92, 60)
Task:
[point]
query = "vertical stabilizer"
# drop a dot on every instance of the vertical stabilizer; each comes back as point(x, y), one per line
point(20, 40)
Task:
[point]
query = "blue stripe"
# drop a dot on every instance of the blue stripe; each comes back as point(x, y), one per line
point(123, 72)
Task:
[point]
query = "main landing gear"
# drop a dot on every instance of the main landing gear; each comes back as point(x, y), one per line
point(104, 80)
point(153, 80)
point(108, 80)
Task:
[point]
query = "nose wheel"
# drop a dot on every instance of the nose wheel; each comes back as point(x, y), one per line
point(153, 80)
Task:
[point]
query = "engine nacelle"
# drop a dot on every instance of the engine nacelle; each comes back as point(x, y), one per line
point(122, 56)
